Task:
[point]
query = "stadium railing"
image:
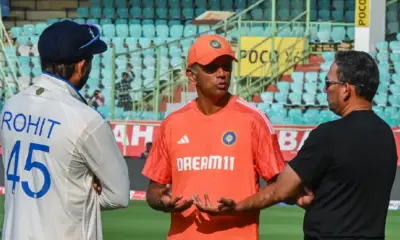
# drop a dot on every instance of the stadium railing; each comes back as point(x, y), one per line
point(244, 84)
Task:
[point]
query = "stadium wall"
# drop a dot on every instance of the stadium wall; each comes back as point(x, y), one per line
point(138, 183)
point(132, 137)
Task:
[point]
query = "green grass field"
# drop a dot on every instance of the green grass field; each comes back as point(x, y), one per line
point(141, 222)
point(283, 223)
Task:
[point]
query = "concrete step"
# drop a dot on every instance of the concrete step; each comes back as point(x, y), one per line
point(9, 23)
point(308, 68)
point(44, 15)
point(30, 4)
point(18, 13)
point(49, 4)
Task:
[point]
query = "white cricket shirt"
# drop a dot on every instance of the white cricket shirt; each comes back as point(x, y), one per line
point(53, 145)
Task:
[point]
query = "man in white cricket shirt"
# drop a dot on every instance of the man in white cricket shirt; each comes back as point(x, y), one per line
point(54, 146)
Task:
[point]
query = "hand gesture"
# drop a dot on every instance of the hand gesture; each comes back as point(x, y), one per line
point(305, 199)
point(96, 185)
point(176, 204)
point(226, 206)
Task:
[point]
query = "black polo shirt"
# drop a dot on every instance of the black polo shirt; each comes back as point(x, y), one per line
point(350, 165)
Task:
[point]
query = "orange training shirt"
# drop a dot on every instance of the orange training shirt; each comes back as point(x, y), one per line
point(222, 155)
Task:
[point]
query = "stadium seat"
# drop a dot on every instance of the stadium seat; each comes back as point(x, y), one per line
point(36, 71)
point(382, 89)
point(349, 15)
point(395, 57)
point(148, 12)
point(350, 33)
point(188, 13)
point(28, 30)
point(199, 11)
point(395, 46)
point(40, 27)
point(326, 66)
point(80, 20)
point(322, 100)
point(297, 76)
point(338, 34)
point(16, 32)
point(52, 20)
point(174, 13)
point(295, 98)
point(281, 97)
point(176, 31)
point(394, 89)
point(162, 31)
point(123, 12)
point(338, 4)
point(135, 12)
point(162, 13)
point(24, 60)
point(394, 100)
point(122, 30)
point(393, 27)
point(311, 76)
point(382, 46)
point(148, 3)
point(95, 12)
point(324, 15)
point(309, 99)
point(135, 30)
point(83, 12)
point(149, 31)
point(25, 71)
point(382, 57)
point(121, 21)
point(310, 87)
point(35, 60)
point(121, 3)
point(109, 30)
point(380, 100)
point(105, 21)
point(267, 97)
point(23, 40)
point(92, 21)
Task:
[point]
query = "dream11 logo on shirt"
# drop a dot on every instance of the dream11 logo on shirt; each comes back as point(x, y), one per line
point(200, 163)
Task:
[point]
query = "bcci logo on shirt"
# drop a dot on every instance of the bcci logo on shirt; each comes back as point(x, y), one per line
point(229, 138)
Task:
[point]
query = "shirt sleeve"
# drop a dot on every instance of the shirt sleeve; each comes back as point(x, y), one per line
point(311, 161)
point(103, 156)
point(266, 150)
point(158, 162)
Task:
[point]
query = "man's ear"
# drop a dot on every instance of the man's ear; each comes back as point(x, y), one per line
point(191, 75)
point(348, 91)
point(79, 67)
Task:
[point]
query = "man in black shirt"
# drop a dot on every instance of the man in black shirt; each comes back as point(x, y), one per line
point(349, 164)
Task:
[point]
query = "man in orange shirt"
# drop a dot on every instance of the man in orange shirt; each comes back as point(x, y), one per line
point(216, 144)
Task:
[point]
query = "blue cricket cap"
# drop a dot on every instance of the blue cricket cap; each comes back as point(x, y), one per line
point(68, 42)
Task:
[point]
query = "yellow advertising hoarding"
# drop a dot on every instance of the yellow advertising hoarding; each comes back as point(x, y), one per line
point(286, 48)
point(362, 13)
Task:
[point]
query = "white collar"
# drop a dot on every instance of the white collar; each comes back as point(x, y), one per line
point(48, 80)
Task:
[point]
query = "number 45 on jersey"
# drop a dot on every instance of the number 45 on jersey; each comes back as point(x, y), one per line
point(29, 165)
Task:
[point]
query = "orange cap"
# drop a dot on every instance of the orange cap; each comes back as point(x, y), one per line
point(206, 48)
